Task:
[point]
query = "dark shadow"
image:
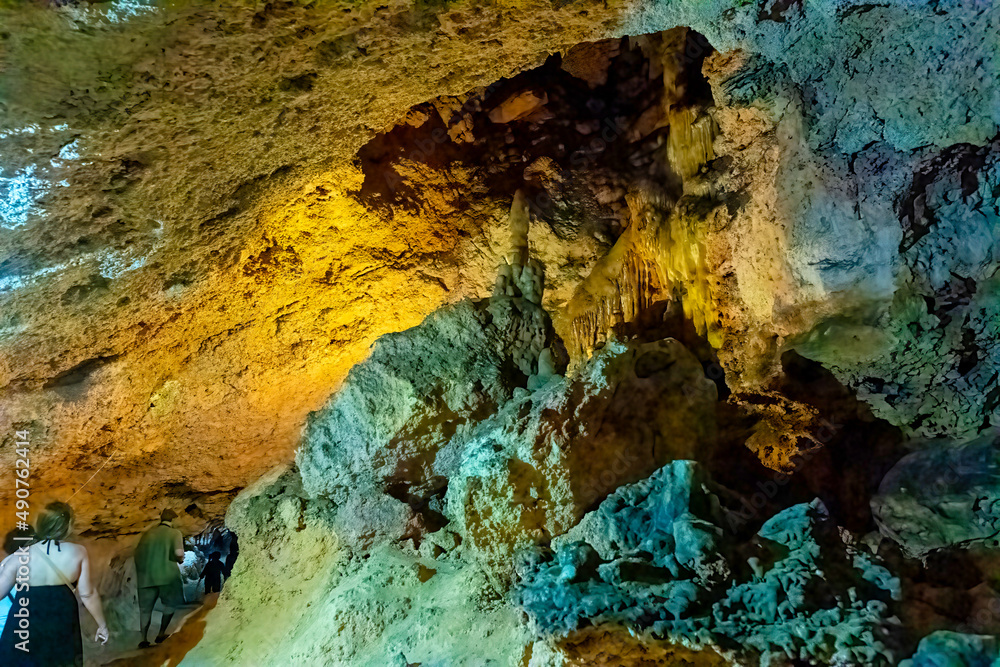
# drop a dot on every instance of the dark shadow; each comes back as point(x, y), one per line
point(844, 473)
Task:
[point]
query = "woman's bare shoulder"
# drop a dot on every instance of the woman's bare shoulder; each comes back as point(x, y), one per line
point(78, 549)
point(68, 548)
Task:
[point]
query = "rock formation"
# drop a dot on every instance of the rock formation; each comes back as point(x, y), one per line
point(943, 496)
point(659, 558)
point(618, 333)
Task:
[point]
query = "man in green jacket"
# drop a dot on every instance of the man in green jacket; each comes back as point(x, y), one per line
point(160, 549)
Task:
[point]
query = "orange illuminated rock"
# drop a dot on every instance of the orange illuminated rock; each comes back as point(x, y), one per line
point(518, 106)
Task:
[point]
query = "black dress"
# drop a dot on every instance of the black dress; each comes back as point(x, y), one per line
point(54, 638)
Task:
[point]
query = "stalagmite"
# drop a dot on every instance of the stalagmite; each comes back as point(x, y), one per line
point(520, 275)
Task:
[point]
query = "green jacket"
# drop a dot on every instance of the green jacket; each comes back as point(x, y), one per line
point(155, 557)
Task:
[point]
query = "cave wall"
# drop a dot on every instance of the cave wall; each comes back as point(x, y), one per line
point(576, 522)
point(184, 173)
point(195, 248)
point(169, 215)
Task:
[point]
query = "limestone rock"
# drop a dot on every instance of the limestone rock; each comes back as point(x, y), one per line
point(946, 495)
point(183, 176)
point(929, 360)
point(529, 472)
point(209, 211)
point(656, 558)
point(380, 440)
point(518, 106)
point(951, 649)
point(301, 595)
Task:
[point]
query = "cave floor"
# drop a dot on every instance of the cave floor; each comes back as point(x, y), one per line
point(186, 631)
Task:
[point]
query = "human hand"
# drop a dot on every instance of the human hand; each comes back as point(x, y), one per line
point(102, 634)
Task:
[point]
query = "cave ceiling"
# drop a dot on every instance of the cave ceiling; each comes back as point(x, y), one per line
point(212, 210)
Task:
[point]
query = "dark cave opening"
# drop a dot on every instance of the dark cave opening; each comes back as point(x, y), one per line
point(574, 133)
point(844, 472)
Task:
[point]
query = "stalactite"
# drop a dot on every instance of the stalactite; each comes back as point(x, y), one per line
point(689, 145)
point(662, 255)
point(618, 291)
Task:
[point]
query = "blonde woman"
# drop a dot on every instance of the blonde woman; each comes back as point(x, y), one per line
point(55, 571)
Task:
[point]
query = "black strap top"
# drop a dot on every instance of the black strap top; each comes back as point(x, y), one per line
point(48, 544)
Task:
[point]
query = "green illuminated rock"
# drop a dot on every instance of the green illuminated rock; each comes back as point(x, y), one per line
point(656, 558)
point(945, 495)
